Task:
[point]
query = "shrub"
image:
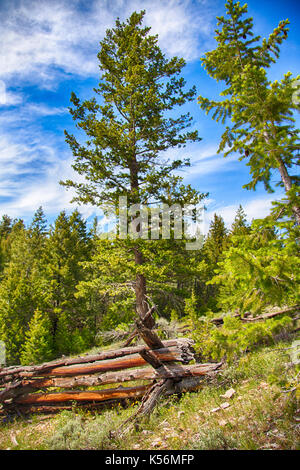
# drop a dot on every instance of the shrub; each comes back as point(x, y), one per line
point(235, 337)
point(38, 346)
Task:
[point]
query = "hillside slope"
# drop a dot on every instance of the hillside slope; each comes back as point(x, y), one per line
point(247, 406)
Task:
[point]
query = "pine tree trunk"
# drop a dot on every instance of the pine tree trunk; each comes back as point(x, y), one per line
point(140, 288)
point(140, 282)
point(285, 177)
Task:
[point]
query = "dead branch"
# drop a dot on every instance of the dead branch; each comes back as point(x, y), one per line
point(247, 317)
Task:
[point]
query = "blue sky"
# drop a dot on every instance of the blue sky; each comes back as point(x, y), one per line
point(49, 48)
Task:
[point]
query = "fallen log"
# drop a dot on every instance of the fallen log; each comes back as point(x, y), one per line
point(107, 367)
point(83, 396)
point(8, 373)
point(103, 355)
point(188, 384)
point(185, 385)
point(266, 316)
point(166, 371)
point(55, 408)
point(164, 355)
point(247, 317)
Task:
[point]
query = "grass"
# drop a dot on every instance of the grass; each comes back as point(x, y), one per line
point(259, 415)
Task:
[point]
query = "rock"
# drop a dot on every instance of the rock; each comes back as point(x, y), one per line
point(229, 393)
point(224, 405)
point(215, 409)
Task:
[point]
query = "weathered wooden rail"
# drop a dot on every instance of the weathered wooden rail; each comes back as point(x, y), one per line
point(56, 385)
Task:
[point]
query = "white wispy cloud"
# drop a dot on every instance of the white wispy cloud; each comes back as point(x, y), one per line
point(256, 208)
point(184, 27)
point(204, 160)
point(7, 97)
point(42, 109)
point(28, 113)
point(210, 164)
point(40, 37)
point(30, 175)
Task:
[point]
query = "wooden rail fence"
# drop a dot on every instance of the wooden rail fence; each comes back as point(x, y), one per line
point(58, 384)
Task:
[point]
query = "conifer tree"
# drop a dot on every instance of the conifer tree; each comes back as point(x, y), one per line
point(191, 307)
point(38, 232)
point(66, 248)
point(256, 272)
point(260, 267)
point(5, 226)
point(22, 290)
point(261, 111)
point(240, 225)
point(39, 222)
point(215, 244)
point(130, 129)
point(38, 345)
point(63, 335)
point(8, 228)
point(5, 229)
point(216, 240)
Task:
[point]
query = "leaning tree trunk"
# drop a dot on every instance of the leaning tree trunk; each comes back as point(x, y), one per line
point(145, 321)
point(285, 177)
point(287, 182)
point(142, 306)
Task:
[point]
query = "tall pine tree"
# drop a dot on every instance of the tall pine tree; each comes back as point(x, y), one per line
point(215, 244)
point(23, 289)
point(68, 245)
point(240, 225)
point(261, 111)
point(129, 130)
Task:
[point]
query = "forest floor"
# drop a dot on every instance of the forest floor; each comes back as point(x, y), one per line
point(257, 412)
